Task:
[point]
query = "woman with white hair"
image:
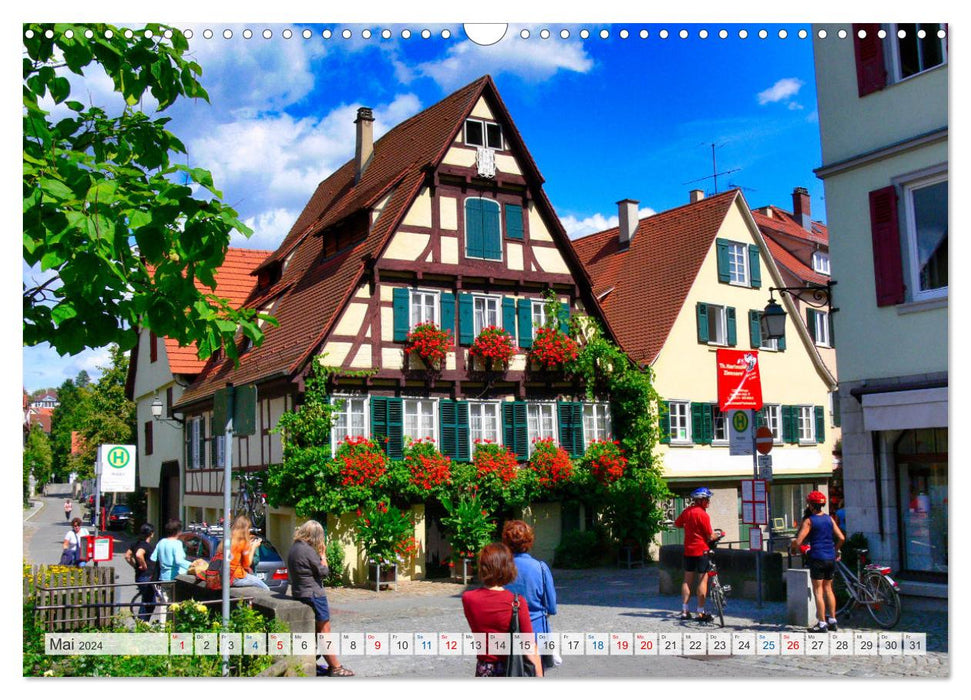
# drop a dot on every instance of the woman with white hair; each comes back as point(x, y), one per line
point(307, 567)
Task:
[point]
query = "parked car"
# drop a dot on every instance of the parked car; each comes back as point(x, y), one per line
point(202, 542)
point(118, 517)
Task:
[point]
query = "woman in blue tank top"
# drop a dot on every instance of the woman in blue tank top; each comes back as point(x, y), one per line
point(825, 539)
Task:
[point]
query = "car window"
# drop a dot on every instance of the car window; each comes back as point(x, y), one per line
point(192, 547)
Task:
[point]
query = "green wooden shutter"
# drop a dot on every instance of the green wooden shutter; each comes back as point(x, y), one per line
point(664, 421)
point(571, 427)
point(721, 251)
point(516, 434)
point(702, 313)
point(379, 420)
point(698, 422)
point(755, 328)
point(474, 242)
point(514, 221)
point(446, 421)
point(811, 323)
point(820, 416)
point(491, 231)
point(387, 424)
point(462, 450)
point(708, 422)
point(564, 318)
point(448, 312)
point(466, 319)
point(754, 266)
point(835, 401)
point(790, 424)
point(402, 313)
point(730, 322)
point(525, 311)
point(509, 316)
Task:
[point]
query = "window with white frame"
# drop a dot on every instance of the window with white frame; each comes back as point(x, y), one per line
point(483, 133)
point(915, 48)
point(807, 424)
point(719, 425)
point(484, 422)
point(420, 419)
point(738, 264)
point(425, 307)
point(821, 262)
point(820, 328)
point(485, 313)
point(772, 419)
point(925, 205)
point(680, 415)
point(539, 316)
point(350, 419)
point(767, 343)
point(220, 451)
point(717, 325)
point(195, 443)
point(540, 422)
point(596, 422)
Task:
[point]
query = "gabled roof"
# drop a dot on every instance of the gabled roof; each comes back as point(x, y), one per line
point(794, 265)
point(782, 222)
point(649, 281)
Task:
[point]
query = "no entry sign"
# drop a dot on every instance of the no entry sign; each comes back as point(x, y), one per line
point(763, 440)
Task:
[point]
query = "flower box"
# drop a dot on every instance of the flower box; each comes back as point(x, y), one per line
point(382, 575)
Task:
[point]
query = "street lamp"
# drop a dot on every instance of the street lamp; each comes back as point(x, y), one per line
point(773, 321)
point(157, 413)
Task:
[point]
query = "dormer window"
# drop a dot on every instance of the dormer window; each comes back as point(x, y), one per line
point(821, 263)
point(482, 133)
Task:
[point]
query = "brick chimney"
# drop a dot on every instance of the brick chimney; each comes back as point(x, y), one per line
point(696, 196)
point(365, 141)
point(800, 208)
point(627, 213)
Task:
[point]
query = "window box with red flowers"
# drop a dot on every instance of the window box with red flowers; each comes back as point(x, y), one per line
point(428, 468)
point(430, 344)
point(493, 348)
point(605, 460)
point(552, 349)
point(551, 463)
point(494, 462)
point(361, 462)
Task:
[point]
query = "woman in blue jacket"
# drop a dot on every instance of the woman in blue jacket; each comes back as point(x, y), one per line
point(534, 581)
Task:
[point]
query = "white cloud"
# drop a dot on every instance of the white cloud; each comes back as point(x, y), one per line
point(43, 367)
point(532, 61)
point(269, 229)
point(578, 228)
point(781, 91)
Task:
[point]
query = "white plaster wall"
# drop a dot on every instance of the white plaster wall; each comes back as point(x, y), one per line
point(448, 213)
point(420, 211)
point(406, 245)
point(450, 250)
point(351, 320)
point(550, 260)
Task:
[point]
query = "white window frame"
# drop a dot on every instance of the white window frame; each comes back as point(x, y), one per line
point(807, 425)
point(220, 451)
point(718, 417)
point(821, 262)
point(412, 407)
point(485, 134)
point(597, 424)
point(478, 433)
point(679, 413)
point(538, 315)
point(421, 296)
point(487, 299)
point(535, 420)
point(773, 420)
point(195, 443)
point(738, 273)
point(335, 437)
point(893, 55)
point(821, 329)
point(721, 324)
point(910, 230)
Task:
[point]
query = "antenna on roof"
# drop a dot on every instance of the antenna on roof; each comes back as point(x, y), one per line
point(714, 170)
point(741, 187)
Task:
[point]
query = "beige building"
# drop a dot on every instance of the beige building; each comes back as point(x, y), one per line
point(883, 119)
point(676, 287)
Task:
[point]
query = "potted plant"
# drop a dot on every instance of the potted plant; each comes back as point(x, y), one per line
point(550, 462)
point(469, 530)
point(552, 349)
point(428, 468)
point(494, 347)
point(387, 536)
point(430, 344)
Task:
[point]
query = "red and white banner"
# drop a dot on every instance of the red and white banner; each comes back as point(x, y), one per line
point(739, 384)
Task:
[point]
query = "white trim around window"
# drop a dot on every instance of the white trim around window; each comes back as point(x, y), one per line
point(352, 419)
point(486, 311)
point(821, 262)
point(596, 423)
point(820, 329)
point(719, 426)
point(420, 419)
point(926, 198)
point(424, 306)
point(772, 416)
point(680, 415)
point(491, 136)
point(717, 325)
point(195, 458)
point(807, 425)
point(929, 52)
point(539, 316)
point(540, 422)
point(738, 264)
point(485, 422)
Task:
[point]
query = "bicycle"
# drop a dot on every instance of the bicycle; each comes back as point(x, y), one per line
point(160, 610)
point(870, 586)
point(250, 499)
point(717, 592)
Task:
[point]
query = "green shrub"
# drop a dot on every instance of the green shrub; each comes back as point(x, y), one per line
point(578, 550)
point(335, 561)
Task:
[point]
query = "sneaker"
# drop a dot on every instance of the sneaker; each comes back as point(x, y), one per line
point(831, 624)
point(685, 615)
point(323, 670)
point(704, 617)
point(819, 628)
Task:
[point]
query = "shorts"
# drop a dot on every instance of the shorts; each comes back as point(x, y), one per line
point(699, 564)
point(320, 607)
point(822, 569)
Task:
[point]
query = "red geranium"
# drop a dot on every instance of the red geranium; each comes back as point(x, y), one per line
point(492, 459)
point(550, 462)
point(362, 462)
point(430, 343)
point(494, 346)
point(606, 460)
point(552, 348)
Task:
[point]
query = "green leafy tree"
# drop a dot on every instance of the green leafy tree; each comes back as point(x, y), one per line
point(74, 397)
point(117, 229)
point(37, 458)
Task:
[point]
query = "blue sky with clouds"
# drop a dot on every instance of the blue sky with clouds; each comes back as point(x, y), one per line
point(604, 118)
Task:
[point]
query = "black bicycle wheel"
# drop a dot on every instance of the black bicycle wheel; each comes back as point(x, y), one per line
point(844, 598)
point(883, 601)
point(718, 598)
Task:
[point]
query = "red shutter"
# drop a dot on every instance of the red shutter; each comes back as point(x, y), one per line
point(871, 72)
point(888, 271)
point(152, 347)
point(149, 438)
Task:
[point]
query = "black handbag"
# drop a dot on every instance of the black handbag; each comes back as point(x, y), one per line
point(517, 665)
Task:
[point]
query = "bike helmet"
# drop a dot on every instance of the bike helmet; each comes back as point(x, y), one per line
point(701, 492)
point(816, 497)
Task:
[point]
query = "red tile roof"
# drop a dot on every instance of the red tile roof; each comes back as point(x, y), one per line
point(787, 260)
point(315, 288)
point(649, 281)
point(781, 222)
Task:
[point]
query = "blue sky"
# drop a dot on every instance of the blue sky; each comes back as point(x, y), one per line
point(604, 118)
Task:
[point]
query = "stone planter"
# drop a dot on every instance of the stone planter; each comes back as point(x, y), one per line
point(382, 576)
point(464, 572)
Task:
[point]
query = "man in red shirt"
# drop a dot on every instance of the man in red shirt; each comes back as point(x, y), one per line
point(697, 537)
